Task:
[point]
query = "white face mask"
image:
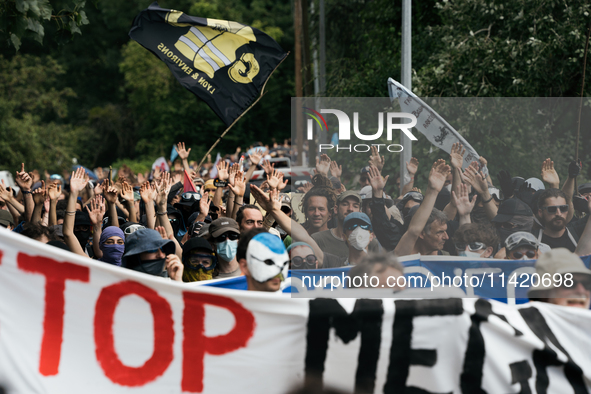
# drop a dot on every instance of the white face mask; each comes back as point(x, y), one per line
point(267, 258)
point(467, 253)
point(359, 238)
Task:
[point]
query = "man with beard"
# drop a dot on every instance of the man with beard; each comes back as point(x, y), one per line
point(553, 210)
point(317, 206)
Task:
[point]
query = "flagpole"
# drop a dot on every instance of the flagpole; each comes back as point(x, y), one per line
point(581, 102)
point(241, 115)
point(406, 80)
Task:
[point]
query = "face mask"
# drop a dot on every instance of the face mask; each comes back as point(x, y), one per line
point(359, 238)
point(227, 249)
point(82, 237)
point(197, 275)
point(152, 267)
point(266, 258)
point(112, 253)
point(448, 187)
point(467, 253)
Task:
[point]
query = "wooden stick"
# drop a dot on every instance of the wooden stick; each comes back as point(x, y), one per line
point(241, 115)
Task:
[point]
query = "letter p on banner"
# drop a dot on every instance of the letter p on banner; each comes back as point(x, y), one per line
point(196, 344)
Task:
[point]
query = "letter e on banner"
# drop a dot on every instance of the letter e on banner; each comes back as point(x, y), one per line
point(104, 340)
point(196, 344)
point(56, 274)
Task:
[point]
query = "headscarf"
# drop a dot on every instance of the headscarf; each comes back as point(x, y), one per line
point(111, 253)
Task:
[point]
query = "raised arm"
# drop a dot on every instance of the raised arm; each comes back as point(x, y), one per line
point(238, 189)
point(96, 212)
point(437, 177)
point(549, 174)
point(584, 245)
point(77, 183)
point(161, 200)
point(456, 158)
point(148, 194)
point(255, 158)
point(39, 200)
point(412, 168)
point(110, 193)
point(222, 176)
point(478, 182)
point(25, 182)
point(568, 188)
point(127, 194)
point(184, 155)
point(53, 191)
point(463, 204)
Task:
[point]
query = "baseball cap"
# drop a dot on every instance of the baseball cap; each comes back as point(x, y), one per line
point(556, 261)
point(585, 188)
point(365, 192)
point(6, 218)
point(348, 193)
point(222, 225)
point(510, 208)
point(357, 216)
point(196, 243)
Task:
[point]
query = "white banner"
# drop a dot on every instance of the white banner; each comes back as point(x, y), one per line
point(73, 325)
point(440, 133)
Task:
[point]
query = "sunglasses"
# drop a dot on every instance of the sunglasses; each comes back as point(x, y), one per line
point(472, 246)
point(585, 283)
point(351, 227)
point(553, 208)
point(191, 196)
point(530, 254)
point(133, 228)
point(229, 235)
point(308, 262)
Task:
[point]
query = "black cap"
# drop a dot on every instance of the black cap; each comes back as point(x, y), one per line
point(585, 188)
point(510, 208)
point(196, 243)
point(82, 219)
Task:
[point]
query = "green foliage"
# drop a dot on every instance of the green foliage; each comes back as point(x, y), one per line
point(26, 18)
point(32, 111)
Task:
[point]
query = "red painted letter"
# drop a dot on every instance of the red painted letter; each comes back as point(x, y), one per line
point(196, 344)
point(56, 274)
point(104, 339)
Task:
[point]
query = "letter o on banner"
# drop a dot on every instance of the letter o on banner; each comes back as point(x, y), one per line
point(106, 355)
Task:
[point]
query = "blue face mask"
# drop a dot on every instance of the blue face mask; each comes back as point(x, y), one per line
point(112, 253)
point(227, 249)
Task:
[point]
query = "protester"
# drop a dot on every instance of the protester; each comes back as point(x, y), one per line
point(475, 240)
point(224, 234)
point(521, 246)
point(553, 211)
point(146, 251)
point(385, 267)
point(265, 262)
point(199, 260)
point(574, 285)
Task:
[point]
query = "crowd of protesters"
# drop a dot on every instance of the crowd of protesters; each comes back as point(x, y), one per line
point(193, 224)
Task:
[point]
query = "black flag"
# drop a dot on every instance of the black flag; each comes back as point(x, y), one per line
point(226, 64)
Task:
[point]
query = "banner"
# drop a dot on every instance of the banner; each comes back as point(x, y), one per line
point(440, 133)
point(224, 63)
point(70, 324)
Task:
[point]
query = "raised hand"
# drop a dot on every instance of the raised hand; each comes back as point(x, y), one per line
point(110, 194)
point(483, 161)
point(5, 193)
point(306, 187)
point(412, 166)
point(505, 183)
point(127, 191)
point(163, 189)
point(267, 166)
point(549, 174)
point(438, 174)
point(282, 184)
point(574, 168)
point(323, 164)
point(39, 194)
point(78, 180)
point(204, 203)
point(274, 179)
point(267, 202)
point(256, 156)
point(24, 180)
point(232, 172)
point(462, 200)
point(96, 210)
point(476, 179)
point(223, 173)
point(457, 155)
point(239, 186)
point(376, 180)
point(183, 153)
point(162, 231)
point(147, 193)
point(175, 267)
point(336, 170)
point(375, 159)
